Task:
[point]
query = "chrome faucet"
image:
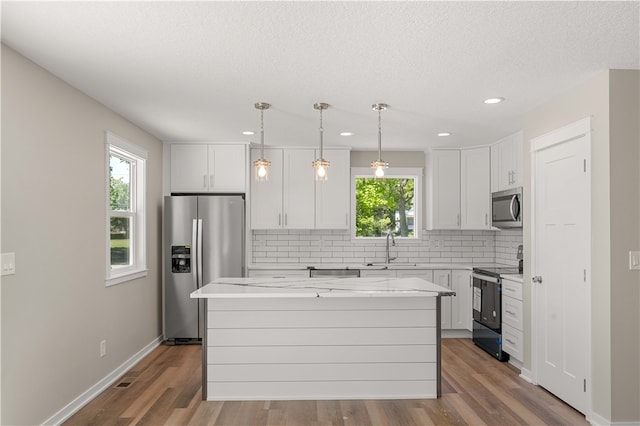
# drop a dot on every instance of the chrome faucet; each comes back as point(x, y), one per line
point(388, 259)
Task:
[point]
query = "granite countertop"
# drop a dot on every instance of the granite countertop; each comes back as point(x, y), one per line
point(320, 287)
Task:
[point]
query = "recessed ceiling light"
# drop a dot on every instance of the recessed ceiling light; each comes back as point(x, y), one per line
point(248, 133)
point(444, 134)
point(493, 100)
point(346, 134)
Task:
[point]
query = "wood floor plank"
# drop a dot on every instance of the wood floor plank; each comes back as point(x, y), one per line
point(165, 388)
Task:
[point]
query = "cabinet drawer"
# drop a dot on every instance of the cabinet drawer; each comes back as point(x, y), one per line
point(512, 312)
point(512, 289)
point(512, 342)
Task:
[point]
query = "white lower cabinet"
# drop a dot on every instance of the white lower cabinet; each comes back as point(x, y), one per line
point(278, 273)
point(461, 307)
point(386, 273)
point(443, 277)
point(425, 274)
point(512, 336)
point(456, 310)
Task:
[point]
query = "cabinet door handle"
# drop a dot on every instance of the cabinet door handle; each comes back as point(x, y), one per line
point(458, 219)
point(511, 341)
point(285, 219)
point(204, 181)
point(509, 312)
point(210, 181)
point(279, 219)
point(486, 219)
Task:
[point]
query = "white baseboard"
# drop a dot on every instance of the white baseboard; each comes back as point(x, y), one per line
point(86, 397)
point(527, 375)
point(597, 420)
point(455, 334)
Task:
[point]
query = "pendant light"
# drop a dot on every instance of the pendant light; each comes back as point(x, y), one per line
point(261, 165)
point(379, 165)
point(321, 165)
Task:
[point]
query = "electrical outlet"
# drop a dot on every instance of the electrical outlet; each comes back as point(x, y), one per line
point(634, 260)
point(103, 348)
point(8, 263)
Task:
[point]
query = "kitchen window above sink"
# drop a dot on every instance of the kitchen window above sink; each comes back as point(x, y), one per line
point(386, 205)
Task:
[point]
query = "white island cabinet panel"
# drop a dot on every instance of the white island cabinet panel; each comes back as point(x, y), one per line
point(350, 338)
point(329, 354)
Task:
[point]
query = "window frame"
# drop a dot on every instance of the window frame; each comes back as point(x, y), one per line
point(415, 173)
point(117, 146)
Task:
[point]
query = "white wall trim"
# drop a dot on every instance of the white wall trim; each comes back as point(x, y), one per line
point(566, 133)
point(88, 395)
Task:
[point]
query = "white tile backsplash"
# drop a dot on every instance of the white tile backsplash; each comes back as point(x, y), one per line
point(337, 246)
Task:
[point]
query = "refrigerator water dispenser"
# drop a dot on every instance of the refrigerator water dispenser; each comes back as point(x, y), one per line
point(181, 259)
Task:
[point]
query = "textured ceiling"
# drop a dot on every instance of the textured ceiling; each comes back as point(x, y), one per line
point(193, 70)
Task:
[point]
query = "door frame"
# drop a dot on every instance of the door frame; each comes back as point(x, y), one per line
point(570, 132)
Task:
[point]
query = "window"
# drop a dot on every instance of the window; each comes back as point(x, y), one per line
point(126, 241)
point(389, 204)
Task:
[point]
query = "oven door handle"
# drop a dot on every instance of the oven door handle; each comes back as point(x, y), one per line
point(485, 278)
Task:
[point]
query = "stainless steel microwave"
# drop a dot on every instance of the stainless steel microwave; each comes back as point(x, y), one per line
point(506, 208)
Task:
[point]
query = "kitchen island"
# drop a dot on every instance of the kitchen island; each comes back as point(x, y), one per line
point(321, 338)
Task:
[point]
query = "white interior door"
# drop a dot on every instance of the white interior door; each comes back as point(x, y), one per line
point(561, 268)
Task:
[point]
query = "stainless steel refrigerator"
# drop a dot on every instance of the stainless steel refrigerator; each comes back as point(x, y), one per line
point(203, 240)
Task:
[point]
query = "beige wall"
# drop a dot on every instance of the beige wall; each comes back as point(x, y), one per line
point(611, 137)
point(624, 136)
point(56, 308)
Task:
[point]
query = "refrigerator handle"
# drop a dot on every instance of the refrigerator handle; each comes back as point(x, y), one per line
point(194, 253)
point(199, 254)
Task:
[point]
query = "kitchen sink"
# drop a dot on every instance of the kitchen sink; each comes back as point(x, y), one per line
point(383, 264)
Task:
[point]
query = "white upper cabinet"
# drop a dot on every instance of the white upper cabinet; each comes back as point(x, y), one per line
point(298, 190)
point(201, 168)
point(458, 189)
point(287, 199)
point(506, 163)
point(475, 193)
point(292, 199)
point(266, 196)
point(333, 200)
point(443, 189)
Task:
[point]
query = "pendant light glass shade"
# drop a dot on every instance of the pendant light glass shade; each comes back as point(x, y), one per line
point(379, 165)
point(262, 165)
point(321, 165)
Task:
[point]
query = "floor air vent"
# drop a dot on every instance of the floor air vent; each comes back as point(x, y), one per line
point(123, 384)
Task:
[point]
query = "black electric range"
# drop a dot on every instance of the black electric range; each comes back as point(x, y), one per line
point(497, 271)
point(487, 308)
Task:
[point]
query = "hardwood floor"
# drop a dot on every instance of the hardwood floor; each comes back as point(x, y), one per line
point(164, 388)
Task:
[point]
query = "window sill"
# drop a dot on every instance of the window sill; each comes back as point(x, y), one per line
point(128, 276)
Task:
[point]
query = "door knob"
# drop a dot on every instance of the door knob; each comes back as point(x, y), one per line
point(536, 279)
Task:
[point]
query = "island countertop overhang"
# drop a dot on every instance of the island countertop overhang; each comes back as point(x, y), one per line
point(320, 287)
